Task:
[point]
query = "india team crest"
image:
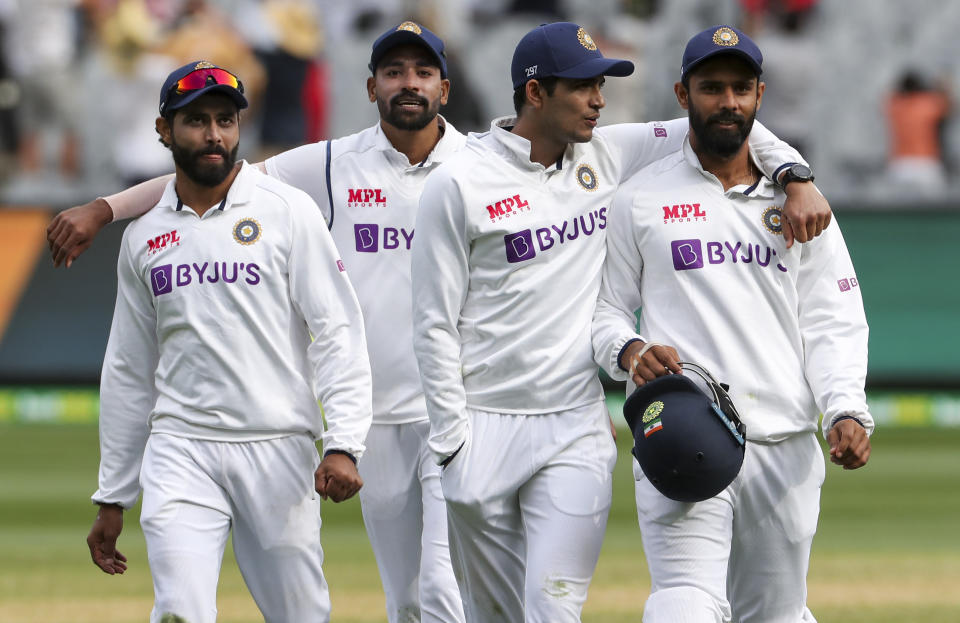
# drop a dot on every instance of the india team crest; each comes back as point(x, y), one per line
point(203, 65)
point(651, 418)
point(410, 26)
point(726, 37)
point(773, 220)
point(587, 177)
point(585, 39)
point(652, 412)
point(246, 231)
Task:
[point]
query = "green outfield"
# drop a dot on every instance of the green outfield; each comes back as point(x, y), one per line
point(887, 550)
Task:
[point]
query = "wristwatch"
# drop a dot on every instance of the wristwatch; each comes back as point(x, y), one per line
point(796, 173)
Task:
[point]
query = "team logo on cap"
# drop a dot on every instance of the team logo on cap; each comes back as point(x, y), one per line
point(773, 220)
point(726, 37)
point(651, 418)
point(652, 412)
point(585, 39)
point(414, 28)
point(246, 231)
point(204, 65)
point(587, 177)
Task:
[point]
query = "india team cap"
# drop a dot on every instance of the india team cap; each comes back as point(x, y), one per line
point(563, 50)
point(189, 82)
point(720, 40)
point(408, 32)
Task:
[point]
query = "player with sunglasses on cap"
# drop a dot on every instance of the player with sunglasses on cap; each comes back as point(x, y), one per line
point(506, 269)
point(210, 380)
point(785, 327)
point(368, 188)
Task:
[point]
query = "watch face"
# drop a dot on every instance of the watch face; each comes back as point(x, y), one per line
point(801, 171)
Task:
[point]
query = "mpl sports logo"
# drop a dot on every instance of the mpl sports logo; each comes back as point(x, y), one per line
point(163, 242)
point(689, 254)
point(366, 198)
point(371, 238)
point(164, 278)
point(505, 208)
point(523, 245)
point(684, 213)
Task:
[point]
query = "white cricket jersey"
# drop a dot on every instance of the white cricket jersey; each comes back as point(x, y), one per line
point(211, 332)
point(506, 270)
point(713, 275)
point(370, 199)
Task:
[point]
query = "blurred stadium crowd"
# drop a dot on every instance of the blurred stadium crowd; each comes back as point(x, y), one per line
point(865, 88)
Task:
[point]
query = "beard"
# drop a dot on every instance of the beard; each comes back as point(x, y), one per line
point(720, 142)
point(204, 173)
point(401, 119)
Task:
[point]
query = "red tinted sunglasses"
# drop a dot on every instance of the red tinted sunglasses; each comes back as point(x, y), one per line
point(200, 78)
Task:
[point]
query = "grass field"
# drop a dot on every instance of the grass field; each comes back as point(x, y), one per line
point(887, 551)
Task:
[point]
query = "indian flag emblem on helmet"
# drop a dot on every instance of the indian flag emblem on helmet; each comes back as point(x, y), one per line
point(412, 27)
point(725, 37)
point(651, 418)
point(585, 39)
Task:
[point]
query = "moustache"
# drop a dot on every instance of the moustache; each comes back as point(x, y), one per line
point(407, 95)
point(215, 150)
point(727, 118)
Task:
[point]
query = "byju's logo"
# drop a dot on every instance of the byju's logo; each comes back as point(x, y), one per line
point(523, 245)
point(163, 278)
point(520, 246)
point(370, 238)
point(687, 254)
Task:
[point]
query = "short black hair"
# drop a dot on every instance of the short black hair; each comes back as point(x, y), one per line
point(549, 84)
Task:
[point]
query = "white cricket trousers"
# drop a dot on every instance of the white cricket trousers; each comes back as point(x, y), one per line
point(406, 521)
point(527, 504)
point(195, 491)
point(742, 555)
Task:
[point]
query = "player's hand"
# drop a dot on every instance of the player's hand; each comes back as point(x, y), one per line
point(849, 444)
point(71, 232)
point(806, 213)
point(658, 360)
point(102, 539)
point(337, 478)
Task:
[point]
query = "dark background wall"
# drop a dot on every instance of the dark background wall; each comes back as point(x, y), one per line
point(907, 263)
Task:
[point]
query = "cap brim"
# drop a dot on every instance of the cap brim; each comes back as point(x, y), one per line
point(598, 67)
point(732, 51)
point(400, 37)
point(234, 94)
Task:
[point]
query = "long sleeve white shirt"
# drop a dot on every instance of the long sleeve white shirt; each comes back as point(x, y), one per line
point(369, 194)
point(714, 278)
point(211, 332)
point(506, 269)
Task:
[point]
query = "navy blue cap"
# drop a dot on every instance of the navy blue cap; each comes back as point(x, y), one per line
point(171, 100)
point(720, 40)
point(563, 50)
point(408, 32)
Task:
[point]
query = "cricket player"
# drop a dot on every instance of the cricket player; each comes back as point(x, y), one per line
point(210, 380)
point(784, 327)
point(368, 188)
point(506, 270)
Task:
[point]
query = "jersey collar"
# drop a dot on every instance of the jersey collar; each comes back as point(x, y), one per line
point(517, 149)
point(240, 192)
point(762, 188)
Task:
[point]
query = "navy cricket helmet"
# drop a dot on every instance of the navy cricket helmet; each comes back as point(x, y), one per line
point(690, 444)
